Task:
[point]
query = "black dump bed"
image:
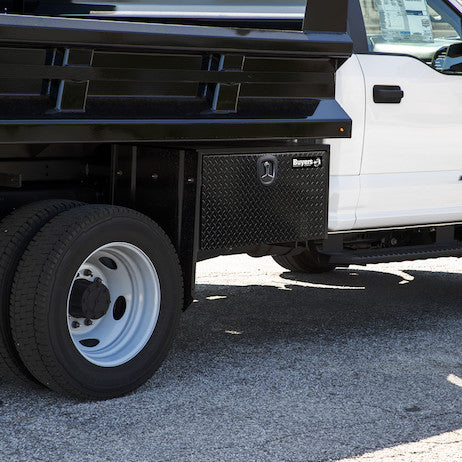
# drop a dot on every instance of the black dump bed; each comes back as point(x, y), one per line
point(83, 80)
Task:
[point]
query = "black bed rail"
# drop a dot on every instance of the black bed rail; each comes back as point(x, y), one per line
point(74, 80)
point(50, 31)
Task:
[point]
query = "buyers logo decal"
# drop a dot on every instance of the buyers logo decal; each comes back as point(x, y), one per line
point(307, 162)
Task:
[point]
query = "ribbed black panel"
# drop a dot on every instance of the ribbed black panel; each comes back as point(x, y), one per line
point(289, 65)
point(122, 75)
point(150, 89)
point(117, 81)
point(304, 90)
point(21, 84)
point(238, 210)
point(316, 78)
point(147, 61)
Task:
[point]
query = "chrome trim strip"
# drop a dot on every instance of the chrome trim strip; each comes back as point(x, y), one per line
point(178, 10)
point(196, 15)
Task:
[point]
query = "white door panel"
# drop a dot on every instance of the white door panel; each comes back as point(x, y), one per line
point(412, 156)
point(408, 199)
point(422, 133)
point(346, 153)
point(349, 92)
point(343, 200)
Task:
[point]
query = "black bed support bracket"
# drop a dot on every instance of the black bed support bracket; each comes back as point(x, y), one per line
point(71, 95)
point(224, 97)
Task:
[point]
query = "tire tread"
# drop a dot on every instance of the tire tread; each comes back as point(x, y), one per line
point(16, 231)
point(30, 297)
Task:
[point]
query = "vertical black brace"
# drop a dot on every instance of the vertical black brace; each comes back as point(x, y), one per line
point(182, 181)
point(225, 97)
point(203, 88)
point(113, 172)
point(133, 175)
point(50, 59)
point(188, 216)
point(72, 94)
point(326, 16)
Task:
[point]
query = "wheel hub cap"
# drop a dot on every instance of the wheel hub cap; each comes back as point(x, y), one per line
point(89, 300)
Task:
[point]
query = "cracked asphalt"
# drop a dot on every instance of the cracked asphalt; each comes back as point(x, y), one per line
point(361, 364)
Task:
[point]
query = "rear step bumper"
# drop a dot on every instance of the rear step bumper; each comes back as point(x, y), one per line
point(363, 257)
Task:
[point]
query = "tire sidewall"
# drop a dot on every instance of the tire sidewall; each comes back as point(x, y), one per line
point(127, 376)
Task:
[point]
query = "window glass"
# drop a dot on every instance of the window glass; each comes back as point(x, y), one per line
point(174, 8)
point(415, 27)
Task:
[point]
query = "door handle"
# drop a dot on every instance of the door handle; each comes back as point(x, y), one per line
point(391, 94)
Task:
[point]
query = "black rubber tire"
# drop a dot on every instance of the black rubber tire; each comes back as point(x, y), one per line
point(40, 291)
point(304, 262)
point(16, 231)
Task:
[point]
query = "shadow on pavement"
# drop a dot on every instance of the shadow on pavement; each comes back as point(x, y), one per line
point(318, 368)
point(345, 363)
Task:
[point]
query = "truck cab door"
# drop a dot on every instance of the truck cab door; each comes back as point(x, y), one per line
point(411, 168)
point(346, 153)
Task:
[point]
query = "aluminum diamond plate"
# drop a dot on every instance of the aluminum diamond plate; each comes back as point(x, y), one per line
point(238, 210)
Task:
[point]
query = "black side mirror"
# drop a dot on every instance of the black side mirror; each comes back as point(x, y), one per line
point(449, 59)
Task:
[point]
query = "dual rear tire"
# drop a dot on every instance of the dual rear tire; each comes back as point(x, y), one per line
point(16, 232)
point(95, 302)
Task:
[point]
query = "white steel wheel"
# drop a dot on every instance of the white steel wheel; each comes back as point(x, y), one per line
point(113, 304)
point(96, 301)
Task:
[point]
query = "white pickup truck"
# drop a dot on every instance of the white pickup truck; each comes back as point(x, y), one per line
point(403, 165)
point(395, 186)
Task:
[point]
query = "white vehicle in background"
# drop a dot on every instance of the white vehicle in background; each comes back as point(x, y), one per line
point(396, 185)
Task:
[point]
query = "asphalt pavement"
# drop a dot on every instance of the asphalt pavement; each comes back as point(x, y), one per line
point(363, 363)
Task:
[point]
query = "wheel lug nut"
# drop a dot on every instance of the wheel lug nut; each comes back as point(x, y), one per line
point(98, 280)
point(88, 322)
point(75, 324)
point(87, 273)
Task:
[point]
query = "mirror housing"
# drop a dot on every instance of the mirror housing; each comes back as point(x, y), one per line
point(451, 59)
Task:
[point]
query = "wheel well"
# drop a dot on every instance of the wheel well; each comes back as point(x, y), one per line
point(158, 182)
